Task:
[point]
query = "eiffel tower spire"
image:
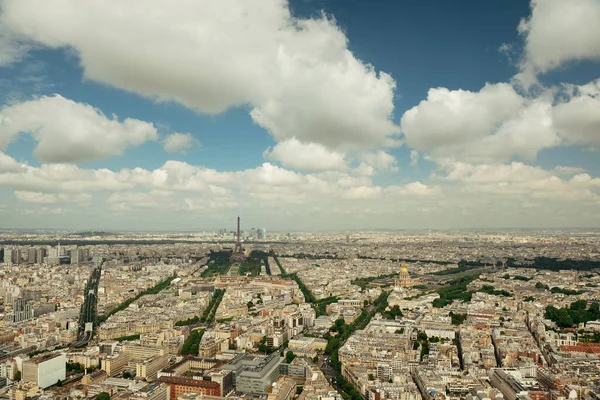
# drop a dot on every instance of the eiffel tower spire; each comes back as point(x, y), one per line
point(238, 252)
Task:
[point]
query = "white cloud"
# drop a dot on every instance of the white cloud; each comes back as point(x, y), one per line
point(362, 192)
point(297, 75)
point(490, 125)
point(567, 170)
point(364, 169)
point(51, 198)
point(9, 164)
point(273, 175)
point(558, 31)
point(463, 195)
point(518, 181)
point(414, 189)
point(578, 120)
point(486, 173)
point(380, 160)
point(191, 204)
point(497, 124)
point(179, 142)
point(126, 201)
point(35, 197)
point(67, 131)
point(448, 117)
point(310, 157)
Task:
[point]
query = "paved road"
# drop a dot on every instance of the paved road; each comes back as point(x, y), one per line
point(89, 306)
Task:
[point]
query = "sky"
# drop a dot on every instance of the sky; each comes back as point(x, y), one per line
point(299, 115)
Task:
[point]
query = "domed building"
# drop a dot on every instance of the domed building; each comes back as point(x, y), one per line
point(404, 280)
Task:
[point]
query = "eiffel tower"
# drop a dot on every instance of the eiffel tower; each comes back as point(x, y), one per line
point(238, 253)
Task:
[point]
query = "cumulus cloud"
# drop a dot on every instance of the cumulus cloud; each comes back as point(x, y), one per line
point(364, 169)
point(67, 131)
point(380, 160)
point(191, 204)
point(35, 197)
point(490, 125)
point(578, 120)
point(51, 198)
point(362, 192)
point(306, 156)
point(414, 189)
point(559, 31)
point(179, 142)
point(526, 181)
point(471, 193)
point(9, 164)
point(568, 170)
point(496, 123)
point(297, 75)
point(127, 201)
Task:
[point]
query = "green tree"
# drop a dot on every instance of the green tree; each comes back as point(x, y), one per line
point(289, 356)
point(103, 396)
point(579, 305)
point(457, 319)
point(191, 344)
point(393, 313)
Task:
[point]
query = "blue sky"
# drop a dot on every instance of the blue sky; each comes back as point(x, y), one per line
point(323, 114)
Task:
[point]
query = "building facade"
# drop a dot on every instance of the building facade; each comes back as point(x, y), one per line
point(45, 370)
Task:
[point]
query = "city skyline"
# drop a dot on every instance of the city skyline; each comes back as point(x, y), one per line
point(300, 115)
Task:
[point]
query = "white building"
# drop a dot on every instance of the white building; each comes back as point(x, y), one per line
point(45, 370)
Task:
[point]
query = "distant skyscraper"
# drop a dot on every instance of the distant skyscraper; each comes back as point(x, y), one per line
point(84, 255)
point(22, 310)
point(80, 255)
point(41, 254)
point(32, 255)
point(12, 256)
point(75, 256)
point(7, 256)
point(54, 255)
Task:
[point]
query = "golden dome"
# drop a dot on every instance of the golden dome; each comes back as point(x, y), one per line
point(404, 269)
